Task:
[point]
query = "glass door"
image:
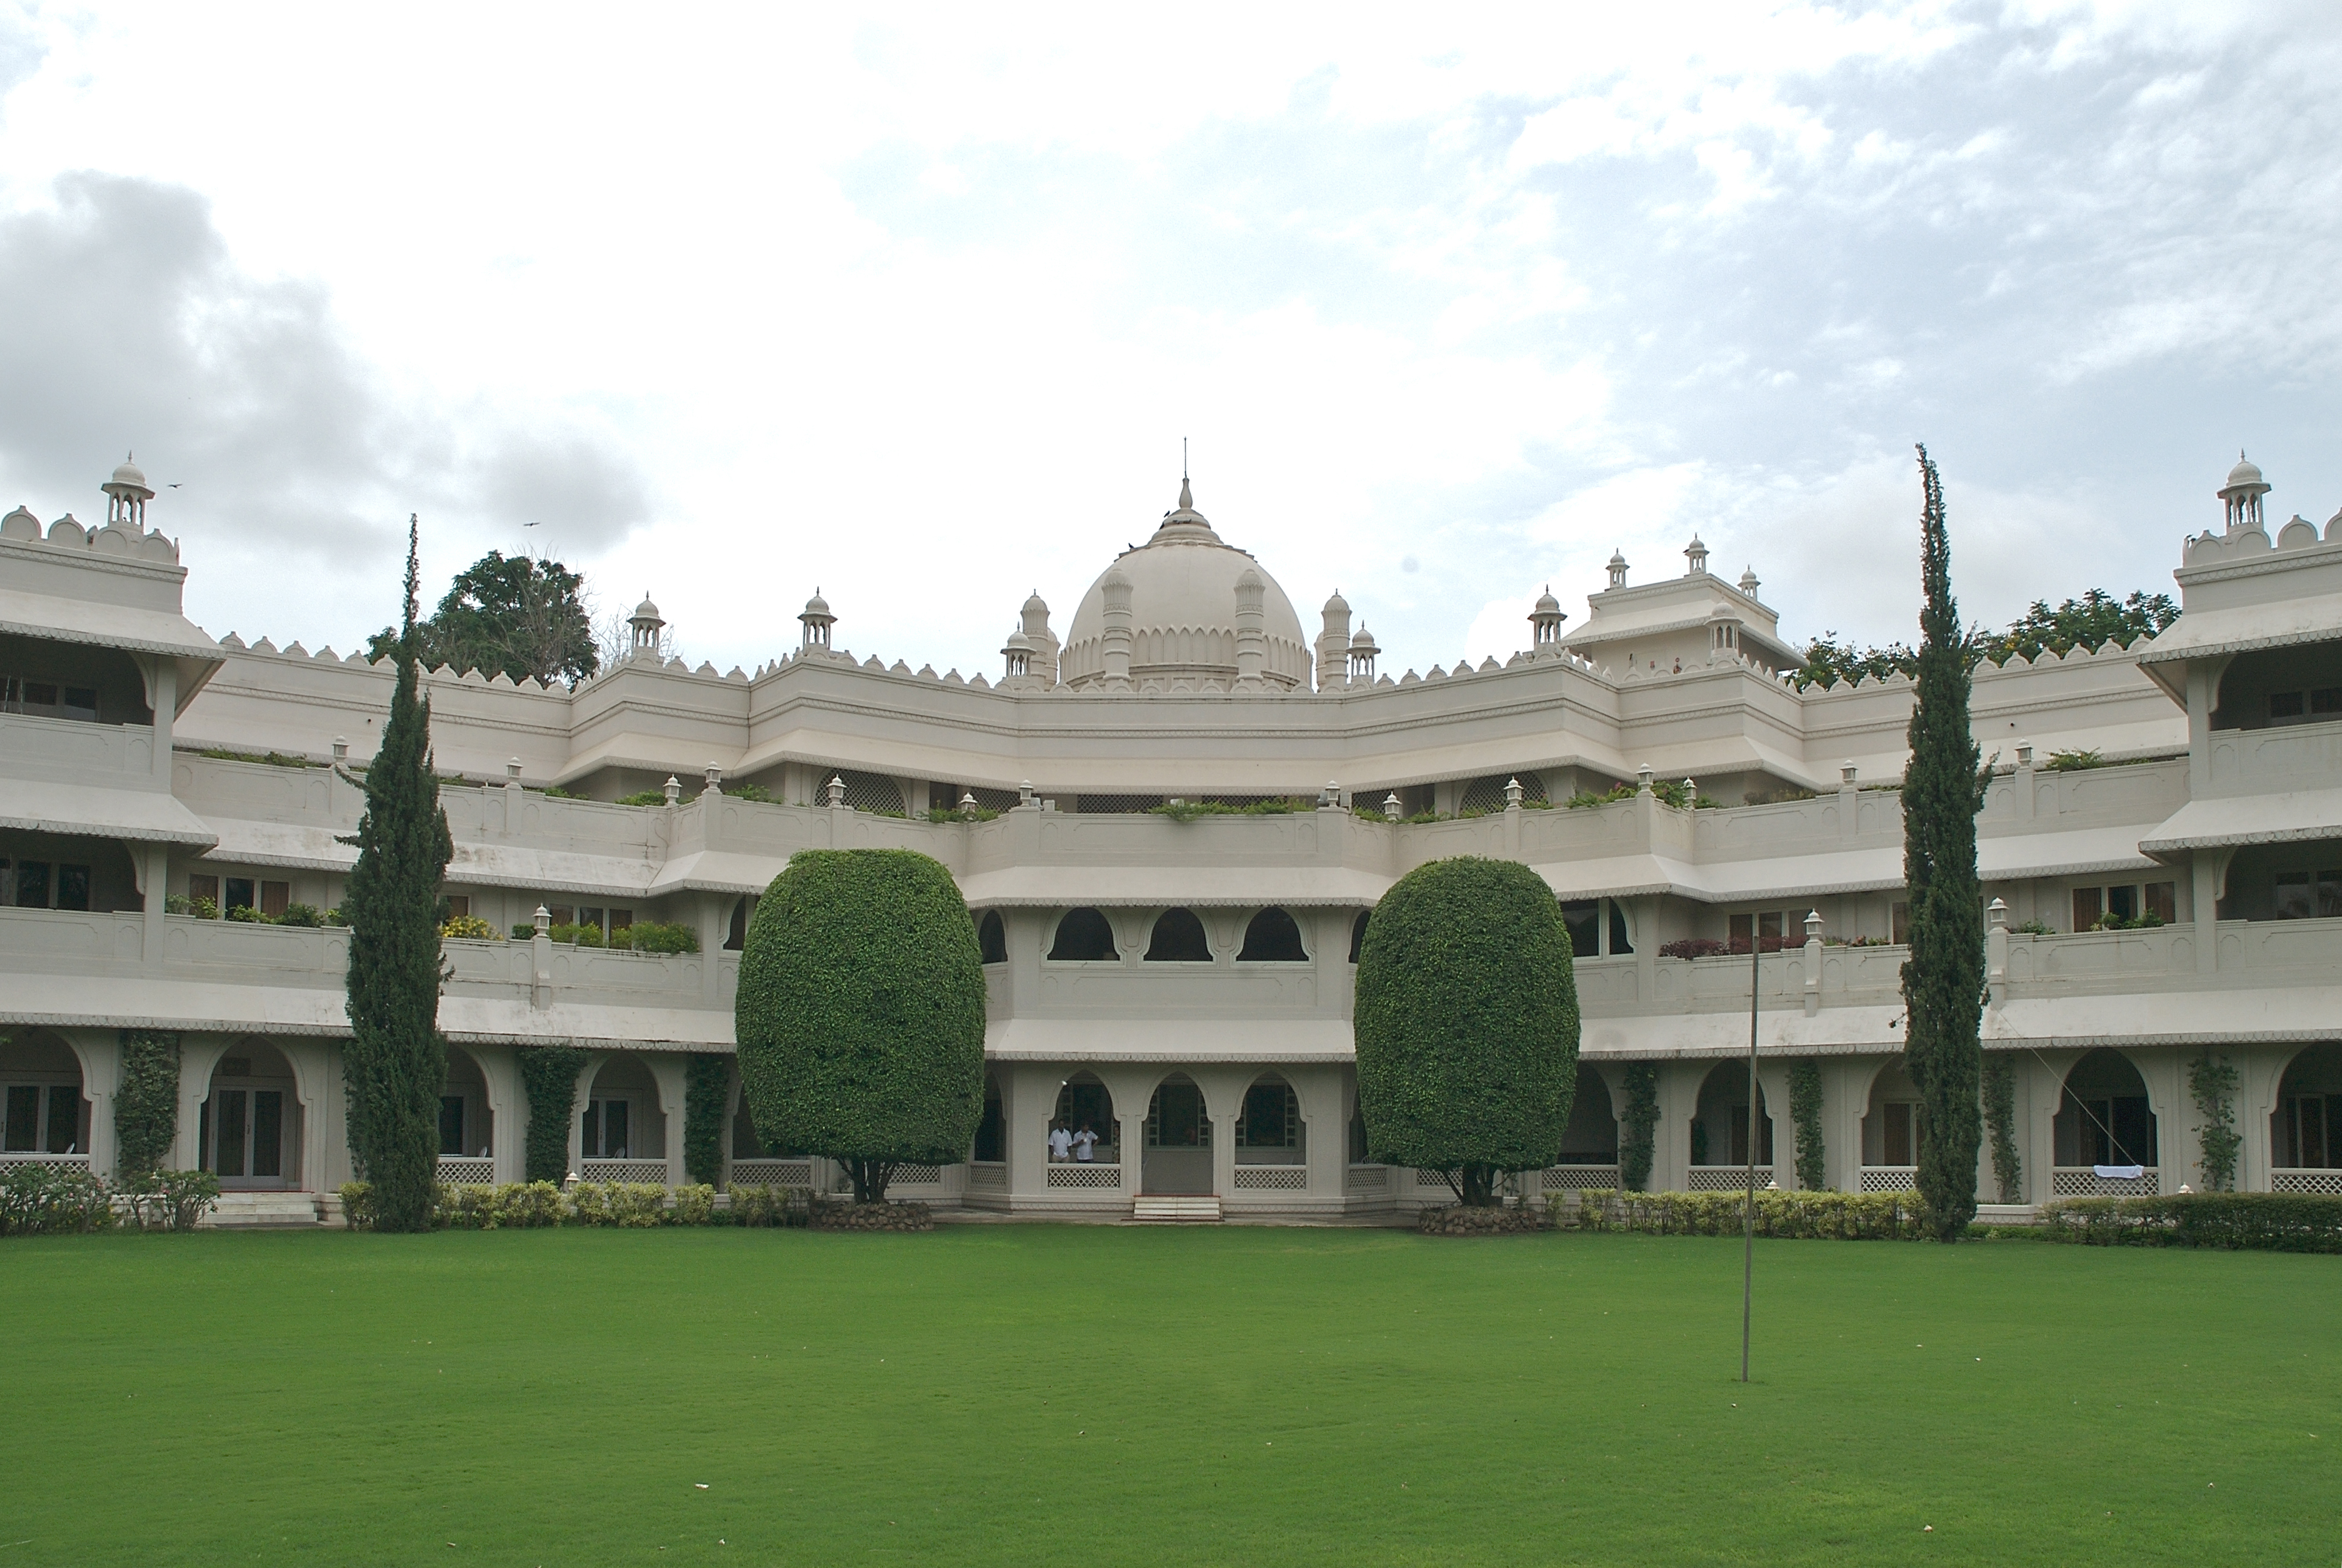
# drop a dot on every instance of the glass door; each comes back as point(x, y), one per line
point(244, 1136)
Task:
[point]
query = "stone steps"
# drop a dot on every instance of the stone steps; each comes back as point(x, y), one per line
point(264, 1211)
point(1197, 1210)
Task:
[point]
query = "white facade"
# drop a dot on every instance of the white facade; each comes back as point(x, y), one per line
point(1184, 986)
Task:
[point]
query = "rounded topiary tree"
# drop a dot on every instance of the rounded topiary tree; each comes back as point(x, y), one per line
point(860, 1017)
point(1466, 1023)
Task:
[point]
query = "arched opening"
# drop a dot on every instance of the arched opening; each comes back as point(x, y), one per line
point(736, 933)
point(1359, 933)
point(2305, 1128)
point(249, 1128)
point(624, 1133)
point(1591, 1138)
point(991, 938)
point(1719, 1131)
point(991, 1147)
point(1890, 1132)
point(466, 1125)
point(1082, 1130)
point(2103, 1120)
point(1272, 937)
point(1084, 936)
point(1178, 938)
point(48, 1119)
point(1269, 1129)
point(1178, 1139)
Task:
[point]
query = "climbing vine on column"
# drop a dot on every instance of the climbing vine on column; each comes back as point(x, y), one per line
point(549, 1073)
point(707, 1090)
point(2000, 1123)
point(2212, 1080)
point(1805, 1110)
point(1635, 1140)
point(146, 1105)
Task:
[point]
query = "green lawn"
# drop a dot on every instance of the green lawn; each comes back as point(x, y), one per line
point(1079, 1395)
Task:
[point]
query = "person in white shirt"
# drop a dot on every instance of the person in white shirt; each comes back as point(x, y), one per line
point(1084, 1142)
point(1061, 1142)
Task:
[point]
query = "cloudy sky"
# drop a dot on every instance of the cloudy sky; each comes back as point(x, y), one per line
point(917, 305)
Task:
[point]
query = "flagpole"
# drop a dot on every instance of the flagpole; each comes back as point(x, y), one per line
point(1748, 1213)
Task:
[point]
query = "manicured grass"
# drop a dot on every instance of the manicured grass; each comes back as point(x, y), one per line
point(1042, 1394)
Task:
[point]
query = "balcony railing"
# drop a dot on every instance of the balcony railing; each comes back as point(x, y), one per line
point(2306, 1179)
point(2084, 1182)
point(1076, 1176)
point(1578, 1178)
point(59, 1162)
point(1724, 1178)
point(1272, 1178)
point(1890, 1178)
point(772, 1173)
point(468, 1170)
point(653, 1170)
point(988, 1173)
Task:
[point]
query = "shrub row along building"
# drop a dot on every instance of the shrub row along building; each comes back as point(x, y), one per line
point(2161, 845)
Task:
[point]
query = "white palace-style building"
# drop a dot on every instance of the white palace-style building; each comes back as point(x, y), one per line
point(1184, 986)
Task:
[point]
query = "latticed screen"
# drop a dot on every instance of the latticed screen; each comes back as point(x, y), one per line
point(1114, 804)
point(1488, 794)
point(948, 796)
point(871, 791)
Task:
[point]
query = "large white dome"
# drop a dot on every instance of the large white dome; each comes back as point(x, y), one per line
point(1183, 612)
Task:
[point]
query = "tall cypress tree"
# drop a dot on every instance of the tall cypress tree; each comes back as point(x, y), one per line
point(398, 1064)
point(1942, 980)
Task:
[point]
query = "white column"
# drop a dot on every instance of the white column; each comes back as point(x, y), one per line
point(667, 1070)
point(99, 1051)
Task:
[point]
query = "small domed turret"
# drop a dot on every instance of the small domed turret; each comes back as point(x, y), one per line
point(817, 621)
point(2241, 495)
point(127, 493)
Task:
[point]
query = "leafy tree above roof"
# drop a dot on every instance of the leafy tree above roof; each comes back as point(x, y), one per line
point(517, 615)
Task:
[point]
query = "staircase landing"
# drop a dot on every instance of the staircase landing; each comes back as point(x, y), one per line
point(1199, 1210)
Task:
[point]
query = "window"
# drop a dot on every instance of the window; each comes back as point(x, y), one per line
point(459, 905)
point(1899, 1141)
point(1176, 1119)
point(992, 1132)
point(42, 1119)
point(735, 936)
point(32, 884)
point(1359, 933)
point(563, 915)
point(991, 940)
point(605, 1129)
point(1898, 923)
point(2122, 906)
point(2295, 707)
point(274, 896)
point(451, 1123)
point(1271, 1118)
point(1178, 938)
point(2309, 1129)
point(240, 894)
point(1583, 920)
point(206, 888)
point(72, 887)
point(1084, 936)
point(1272, 938)
point(1768, 928)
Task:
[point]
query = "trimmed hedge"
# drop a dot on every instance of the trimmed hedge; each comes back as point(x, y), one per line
point(1467, 1022)
point(549, 1073)
point(517, 1206)
point(860, 1013)
point(146, 1105)
point(1794, 1216)
point(2261, 1222)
